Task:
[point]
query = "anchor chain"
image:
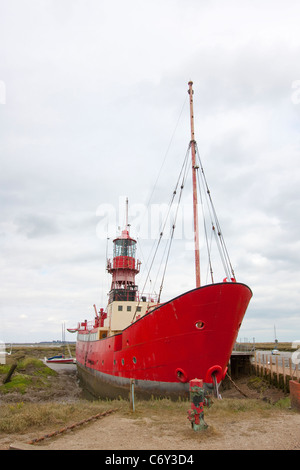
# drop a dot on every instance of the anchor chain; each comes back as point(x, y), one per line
point(72, 426)
point(216, 387)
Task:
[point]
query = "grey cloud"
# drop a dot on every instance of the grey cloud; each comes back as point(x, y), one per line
point(34, 226)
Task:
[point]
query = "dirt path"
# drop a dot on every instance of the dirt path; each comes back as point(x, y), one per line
point(115, 432)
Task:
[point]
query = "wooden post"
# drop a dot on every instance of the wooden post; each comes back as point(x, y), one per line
point(283, 372)
point(277, 370)
point(10, 373)
point(131, 395)
point(254, 363)
point(271, 369)
point(291, 369)
point(259, 364)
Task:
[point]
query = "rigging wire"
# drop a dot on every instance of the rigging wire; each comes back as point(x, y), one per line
point(209, 267)
point(216, 225)
point(205, 230)
point(216, 229)
point(185, 169)
point(173, 226)
point(163, 225)
point(160, 170)
point(167, 151)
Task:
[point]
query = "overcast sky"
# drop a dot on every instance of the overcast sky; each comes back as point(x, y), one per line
point(94, 109)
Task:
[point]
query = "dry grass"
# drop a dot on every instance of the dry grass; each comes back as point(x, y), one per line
point(279, 346)
point(21, 417)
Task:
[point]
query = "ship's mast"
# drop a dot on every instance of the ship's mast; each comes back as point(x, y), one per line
point(126, 222)
point(194, 170)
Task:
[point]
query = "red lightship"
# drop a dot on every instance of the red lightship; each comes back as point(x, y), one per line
point(161, 345)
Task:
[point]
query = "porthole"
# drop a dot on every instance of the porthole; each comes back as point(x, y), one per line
point(122, 362)
point(134, 360)
point(199, 325)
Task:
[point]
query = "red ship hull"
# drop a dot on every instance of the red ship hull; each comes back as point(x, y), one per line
point(191, 336)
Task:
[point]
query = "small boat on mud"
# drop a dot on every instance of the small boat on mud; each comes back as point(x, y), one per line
point(275, 351)
point(61, 359)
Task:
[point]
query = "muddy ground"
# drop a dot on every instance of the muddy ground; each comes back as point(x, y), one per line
point(162, 429)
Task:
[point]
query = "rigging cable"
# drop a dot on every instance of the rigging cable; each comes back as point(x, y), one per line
point(211, 212)
point(167, 151)
point(183, 170)
point(205, 229)
point(173, 226)
point(160, 170)
point(215, 224)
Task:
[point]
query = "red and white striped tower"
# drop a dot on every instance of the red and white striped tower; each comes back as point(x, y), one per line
point(124, 267)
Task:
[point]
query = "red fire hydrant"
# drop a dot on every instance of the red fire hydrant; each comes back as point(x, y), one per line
point(198, 400)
